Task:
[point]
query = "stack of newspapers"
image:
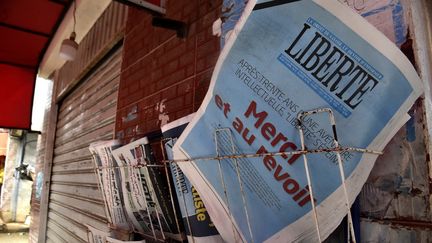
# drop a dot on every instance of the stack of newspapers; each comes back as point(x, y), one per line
point(133, 191)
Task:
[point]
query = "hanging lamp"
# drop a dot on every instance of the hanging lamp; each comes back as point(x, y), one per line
point(69, 47)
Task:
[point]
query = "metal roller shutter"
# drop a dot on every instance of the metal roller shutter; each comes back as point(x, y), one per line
point(86, 115)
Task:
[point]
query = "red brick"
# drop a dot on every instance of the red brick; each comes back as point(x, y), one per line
point(146, 63)
point(200, 65)
point(157, 74)
point(187, 59)
point(173, 53)
point(190, 70)
point(129, 123)
point(178, 76)
point(212, 58)
point(152, 125)
point(174, 6)
point(120, 104)
point(201, 87)
point(151, 101)
point(119, 135)
point(123, 92)
point(148, 115)
point(174, 104)
point(175, 77)
point(118, 124)
point(129, 132)
point(199, 96)
point(188, 99)
point(134, 97)
point(207, 61)
point(191, 43)
point(189, 12)
point(133, 87)
point(173, 64)
point(170, 67)
point(191, 29)
point(208, 48)
point(182, 113)
point(143, 106)
point(149, 89)
point(206, 35)
point(171, 44)
point(208, 6)
point(185, 87)
point(135, 17)
point(207, 20)
point(160, 35)
point(169, 93)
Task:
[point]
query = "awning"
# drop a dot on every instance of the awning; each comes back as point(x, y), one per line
point(26, 29)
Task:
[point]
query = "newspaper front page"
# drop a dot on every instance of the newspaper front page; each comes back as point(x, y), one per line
point(282, 58)
point(196, 220)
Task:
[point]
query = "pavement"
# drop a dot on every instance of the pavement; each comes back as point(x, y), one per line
point(14, 233)
point(22, 237)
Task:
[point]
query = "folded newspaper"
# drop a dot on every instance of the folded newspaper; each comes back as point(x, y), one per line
point(282, 58)
point(112, 240)
point(146, 200)
point(110, 182)
point(199, 227)
point(96, 236)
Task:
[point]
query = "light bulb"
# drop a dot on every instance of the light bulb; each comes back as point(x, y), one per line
point(69, 48)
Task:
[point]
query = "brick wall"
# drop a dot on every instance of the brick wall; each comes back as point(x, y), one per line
point(164, 77)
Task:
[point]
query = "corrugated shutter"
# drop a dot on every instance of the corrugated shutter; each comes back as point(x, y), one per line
point(86, 115)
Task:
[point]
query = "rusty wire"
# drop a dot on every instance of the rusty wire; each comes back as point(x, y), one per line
point(250, 155)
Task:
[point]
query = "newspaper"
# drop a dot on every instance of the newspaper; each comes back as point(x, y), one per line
point(282, 58)
point(109, 181)
point(96, 235)
point(146, 203)
point(112, 240)
point(199, 227)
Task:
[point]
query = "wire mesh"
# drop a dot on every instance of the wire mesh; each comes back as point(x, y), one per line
point(236, 158)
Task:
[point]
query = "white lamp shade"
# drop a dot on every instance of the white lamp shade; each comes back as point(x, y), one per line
point(68, 49)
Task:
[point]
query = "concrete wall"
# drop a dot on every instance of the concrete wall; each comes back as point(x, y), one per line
point(13, 149)
point(394, 202)
point(3, 142)
point(15, 194)
point(25, 186)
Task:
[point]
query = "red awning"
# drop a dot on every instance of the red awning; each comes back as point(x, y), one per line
point(26, 29)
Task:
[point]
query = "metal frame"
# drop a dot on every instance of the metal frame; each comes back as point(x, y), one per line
point(156, 235)
point(300, 118)
point(47, 169)
point(235, 156)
